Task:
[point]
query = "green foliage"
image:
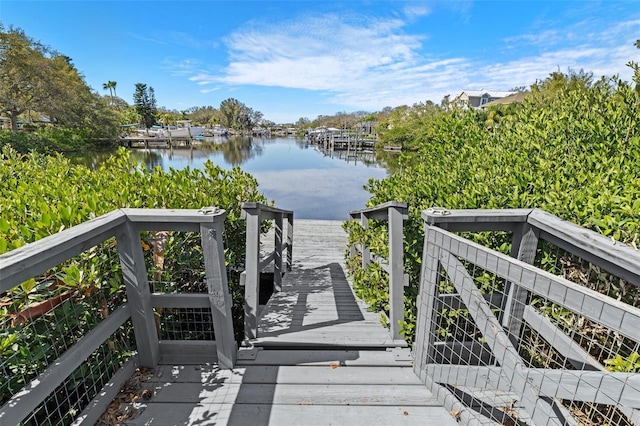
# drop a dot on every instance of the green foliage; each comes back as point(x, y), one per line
point(53, 139)
point(233, 114)
point(572, 148)
point(630, 364)
point(37, 81)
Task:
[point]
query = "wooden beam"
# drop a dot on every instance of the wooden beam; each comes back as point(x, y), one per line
point(219, 296)
point(599, 387)
point(179, 300)
point(380, 211)
point(134, 275)
point(524, 246)
point(396, 271)
point(289, 243)
point(613, 256)
point(277, 264)
point(424, 350)
point(577, 356)
point(476, 219)
point(264, 262)
point(35, 258)
point(252, 271)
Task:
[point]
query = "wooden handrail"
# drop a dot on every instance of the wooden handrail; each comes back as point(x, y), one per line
point(394, 212)
point(254, 214)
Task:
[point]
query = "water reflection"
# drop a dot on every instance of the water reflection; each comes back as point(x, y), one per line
point(293, 173)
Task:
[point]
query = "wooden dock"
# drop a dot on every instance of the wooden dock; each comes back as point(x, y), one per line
point(314, 355)
point(321, 358)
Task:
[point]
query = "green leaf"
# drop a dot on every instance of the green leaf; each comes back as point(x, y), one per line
point(4, 225)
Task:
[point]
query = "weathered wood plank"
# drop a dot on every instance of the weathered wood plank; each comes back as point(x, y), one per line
point(261, 374)
point(180, 300)
point(33, 259)
point(476, 219)
point(615, 257)
point(396, 270)
point(327, 357)
point(218, 289)
point(135, 277)
point(593, 386)
point(320, 415)
point(577, 356)
point(295, 394)
point(252, 273)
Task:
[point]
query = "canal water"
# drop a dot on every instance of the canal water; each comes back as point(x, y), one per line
point(292, 172)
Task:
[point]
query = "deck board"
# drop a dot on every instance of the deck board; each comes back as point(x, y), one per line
point(317, 306)
point(321, 358)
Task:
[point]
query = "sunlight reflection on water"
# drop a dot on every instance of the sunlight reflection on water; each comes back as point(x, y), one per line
point(296, 175)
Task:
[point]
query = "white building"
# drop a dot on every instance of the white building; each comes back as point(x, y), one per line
point(477, 98)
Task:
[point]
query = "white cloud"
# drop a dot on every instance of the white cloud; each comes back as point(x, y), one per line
point(369, 63)
point(416, 10)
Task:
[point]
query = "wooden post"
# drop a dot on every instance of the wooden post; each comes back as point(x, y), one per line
point(277, 264)
point(523, 247)
point(366, 252)
point(424, 348)
point(252, 261)
point(134, 274)
point(396, 272)
point(219, 297)
point(289, 241)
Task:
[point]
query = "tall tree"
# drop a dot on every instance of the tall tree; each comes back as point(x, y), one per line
point(144, 100)
point(107, 86)
point(111, 87)
point(23, 72)
point(236, 115)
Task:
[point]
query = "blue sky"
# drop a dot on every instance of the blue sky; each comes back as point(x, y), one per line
point(291, 59)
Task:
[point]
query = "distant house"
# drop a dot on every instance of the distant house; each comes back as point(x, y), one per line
point(477, 98)
point(517, 97)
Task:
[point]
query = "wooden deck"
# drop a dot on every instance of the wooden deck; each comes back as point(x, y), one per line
point(320, 359)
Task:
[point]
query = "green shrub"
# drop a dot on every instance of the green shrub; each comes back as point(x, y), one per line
point(572, 149)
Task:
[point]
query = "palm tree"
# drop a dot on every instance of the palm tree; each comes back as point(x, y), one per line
point(107, 86)
point(111, 86)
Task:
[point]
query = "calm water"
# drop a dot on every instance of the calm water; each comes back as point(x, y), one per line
point(289, 171)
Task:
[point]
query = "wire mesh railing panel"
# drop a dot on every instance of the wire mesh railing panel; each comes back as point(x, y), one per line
point(565, 264)
point(518, 345)
point(175, 265)
point(68, 400)
point(43, 317)
point(184, 324)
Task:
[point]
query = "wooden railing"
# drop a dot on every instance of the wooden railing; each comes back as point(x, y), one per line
point(501, 340)
point(125, 225)
point(394, 213)
point(255, 214)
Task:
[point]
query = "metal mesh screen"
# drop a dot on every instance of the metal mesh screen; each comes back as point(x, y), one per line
point(44, 317)
point(64, 405)
point(490, 338)
point(176, 266)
